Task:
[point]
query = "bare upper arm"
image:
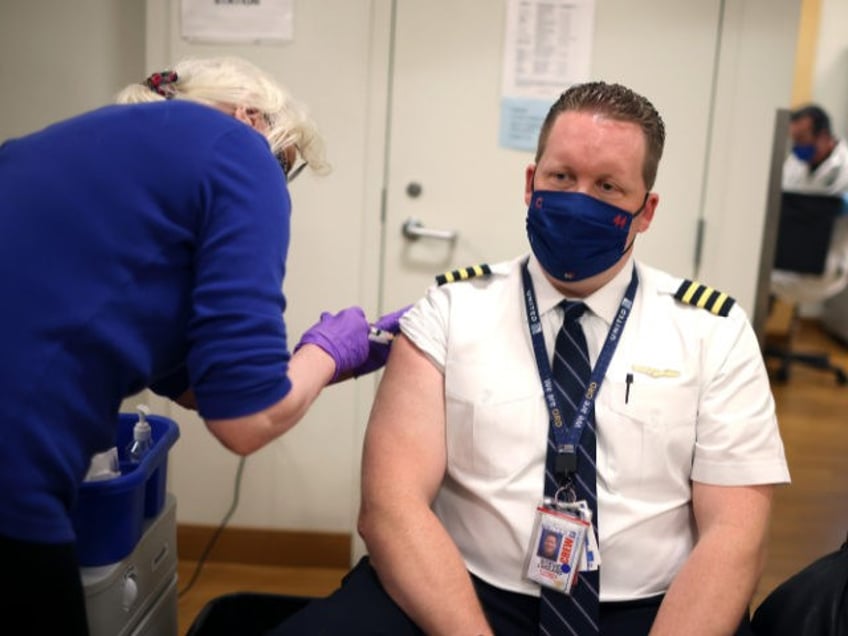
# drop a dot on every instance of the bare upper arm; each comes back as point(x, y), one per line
point(746, 508)
point(405, 453)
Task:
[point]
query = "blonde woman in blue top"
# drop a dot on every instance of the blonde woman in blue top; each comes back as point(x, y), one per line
point(144, 245)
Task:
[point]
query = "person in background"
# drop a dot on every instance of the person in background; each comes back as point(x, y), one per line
point(816, 164)
point(818, 161)
point(144, 244)
point(573, 385)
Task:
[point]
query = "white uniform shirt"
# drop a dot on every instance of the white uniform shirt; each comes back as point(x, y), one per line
point(830, 177)
point(699, 408)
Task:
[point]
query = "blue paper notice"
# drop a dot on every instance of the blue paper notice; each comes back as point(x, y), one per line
point(521, 120)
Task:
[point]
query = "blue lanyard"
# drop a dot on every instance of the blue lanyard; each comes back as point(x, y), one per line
point(568, 438)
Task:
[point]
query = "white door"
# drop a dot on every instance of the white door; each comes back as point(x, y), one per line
point(446, 170)
point(302, 480)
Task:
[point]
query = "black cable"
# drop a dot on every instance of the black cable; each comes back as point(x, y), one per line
point(217, 533)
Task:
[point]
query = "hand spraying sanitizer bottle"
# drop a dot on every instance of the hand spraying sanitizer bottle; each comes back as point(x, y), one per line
point(141, 441)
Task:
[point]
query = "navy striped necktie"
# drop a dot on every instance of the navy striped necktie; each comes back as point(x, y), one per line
point(576, 614)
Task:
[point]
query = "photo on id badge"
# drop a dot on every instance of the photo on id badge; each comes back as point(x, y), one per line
point(549, 545)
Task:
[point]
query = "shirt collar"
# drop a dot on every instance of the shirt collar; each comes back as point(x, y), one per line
point(547, 297)
point(603, 303)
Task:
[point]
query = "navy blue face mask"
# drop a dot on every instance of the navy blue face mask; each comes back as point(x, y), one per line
point(575, 236)
point(804, 152)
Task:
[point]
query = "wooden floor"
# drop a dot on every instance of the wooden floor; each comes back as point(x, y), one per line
point(810, 516)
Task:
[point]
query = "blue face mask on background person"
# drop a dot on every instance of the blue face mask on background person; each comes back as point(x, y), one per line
point(575, 236)
point(804, 152)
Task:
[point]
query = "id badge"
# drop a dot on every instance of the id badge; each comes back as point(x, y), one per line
point(591, 558)
point(556, 547)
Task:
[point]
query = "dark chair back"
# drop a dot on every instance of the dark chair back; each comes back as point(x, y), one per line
point(805, 230)
point(245, 614)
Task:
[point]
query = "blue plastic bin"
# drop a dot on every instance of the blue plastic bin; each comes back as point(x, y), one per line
point(110, 514)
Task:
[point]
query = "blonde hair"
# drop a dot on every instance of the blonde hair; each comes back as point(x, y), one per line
point(236, 82)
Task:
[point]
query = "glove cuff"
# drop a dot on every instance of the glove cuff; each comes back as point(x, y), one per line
point(325, 345)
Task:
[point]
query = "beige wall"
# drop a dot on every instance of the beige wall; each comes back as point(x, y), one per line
point(61, 58)
point(830, 74)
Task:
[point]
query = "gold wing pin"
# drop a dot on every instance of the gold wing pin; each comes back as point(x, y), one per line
point(655, 373)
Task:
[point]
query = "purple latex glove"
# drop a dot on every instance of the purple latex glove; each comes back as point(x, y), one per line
point(343, 336)
point(378, 350)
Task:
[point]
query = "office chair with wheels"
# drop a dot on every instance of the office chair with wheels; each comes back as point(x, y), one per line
point(810, 237)
point(787, 355)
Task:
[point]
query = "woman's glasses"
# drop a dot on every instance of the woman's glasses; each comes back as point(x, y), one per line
point(289, 169)
point(287, 156)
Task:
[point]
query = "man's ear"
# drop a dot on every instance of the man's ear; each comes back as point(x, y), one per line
point(529, 172)
point(643, 221)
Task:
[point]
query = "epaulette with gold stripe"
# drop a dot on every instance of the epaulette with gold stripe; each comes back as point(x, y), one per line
point(699, 295)
point(463, 274)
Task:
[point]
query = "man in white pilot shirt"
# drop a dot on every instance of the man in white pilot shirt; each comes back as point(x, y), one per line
point(688, 449)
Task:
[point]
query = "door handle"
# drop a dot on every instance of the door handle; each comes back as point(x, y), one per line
point(413, 229)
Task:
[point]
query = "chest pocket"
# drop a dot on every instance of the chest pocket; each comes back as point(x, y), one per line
point(647, 432)
point(496, 420)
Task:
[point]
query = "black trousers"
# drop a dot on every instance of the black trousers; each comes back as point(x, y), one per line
point(42, 589)
point(362, 607)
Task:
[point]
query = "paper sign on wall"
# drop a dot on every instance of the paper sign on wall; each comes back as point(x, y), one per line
point(547, 48)
point(237, 20)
